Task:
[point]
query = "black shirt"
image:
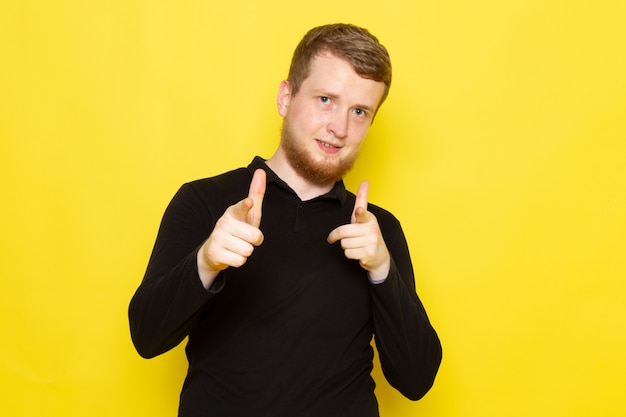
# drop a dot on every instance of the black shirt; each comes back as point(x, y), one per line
point(288, 333)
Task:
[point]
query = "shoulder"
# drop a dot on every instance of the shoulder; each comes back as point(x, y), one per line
point(229, 183)
point(215, 192)
point(386, 219)
point(235, 178)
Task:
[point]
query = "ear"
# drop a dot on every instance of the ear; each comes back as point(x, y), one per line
point(284, 97)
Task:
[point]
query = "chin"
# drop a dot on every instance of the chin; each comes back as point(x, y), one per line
point(310, 165)
point(324, 173)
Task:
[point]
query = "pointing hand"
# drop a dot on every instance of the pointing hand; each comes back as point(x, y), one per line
point(235, 235)
point(362, 239)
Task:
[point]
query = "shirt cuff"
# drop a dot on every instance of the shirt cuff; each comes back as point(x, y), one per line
point(377, 281)
point(218, 284)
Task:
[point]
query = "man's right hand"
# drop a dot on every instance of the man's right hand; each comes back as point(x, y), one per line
point(235, 235)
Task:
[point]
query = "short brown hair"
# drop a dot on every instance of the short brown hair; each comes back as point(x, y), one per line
point(356, 45)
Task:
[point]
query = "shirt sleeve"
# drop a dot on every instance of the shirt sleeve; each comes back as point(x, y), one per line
point(165, 307)
point(409, 348)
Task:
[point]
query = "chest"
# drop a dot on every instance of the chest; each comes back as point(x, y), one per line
point(296, 278)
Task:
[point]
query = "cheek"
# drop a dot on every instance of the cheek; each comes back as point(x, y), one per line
point(358, 134)
point(306, 120)
point(317, 119)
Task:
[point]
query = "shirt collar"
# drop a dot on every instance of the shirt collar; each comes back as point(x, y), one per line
point(338, 192)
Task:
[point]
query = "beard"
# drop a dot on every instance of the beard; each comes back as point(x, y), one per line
point(322, 171)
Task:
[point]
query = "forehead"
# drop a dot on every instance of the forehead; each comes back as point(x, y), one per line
point(335, 76)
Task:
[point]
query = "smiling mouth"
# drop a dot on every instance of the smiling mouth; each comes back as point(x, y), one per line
point(327, 148)
point(327, 145)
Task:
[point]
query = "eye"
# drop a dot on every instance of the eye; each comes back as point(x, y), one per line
point(360, 112)
point(325, 99)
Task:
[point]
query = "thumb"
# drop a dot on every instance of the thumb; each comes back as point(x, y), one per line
point(240, 211)
point(360, 204)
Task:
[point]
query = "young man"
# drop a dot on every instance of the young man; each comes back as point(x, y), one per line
point(279, 275)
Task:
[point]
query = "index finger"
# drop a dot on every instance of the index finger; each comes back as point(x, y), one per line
point(256, 193)
point(360, 204)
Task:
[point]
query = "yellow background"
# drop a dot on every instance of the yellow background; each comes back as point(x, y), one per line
point(502, 149)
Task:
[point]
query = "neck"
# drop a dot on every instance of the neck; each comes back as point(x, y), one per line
point(305, 189)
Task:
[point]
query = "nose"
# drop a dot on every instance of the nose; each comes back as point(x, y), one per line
point(338, 125)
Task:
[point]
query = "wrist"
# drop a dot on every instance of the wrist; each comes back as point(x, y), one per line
point(380, 274)
point(207, 274)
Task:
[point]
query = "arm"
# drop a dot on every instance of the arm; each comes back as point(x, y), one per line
point(185, 266)
point(168, 301)
point(408, 346)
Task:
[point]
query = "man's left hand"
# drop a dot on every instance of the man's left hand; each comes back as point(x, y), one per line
point(362, 239)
